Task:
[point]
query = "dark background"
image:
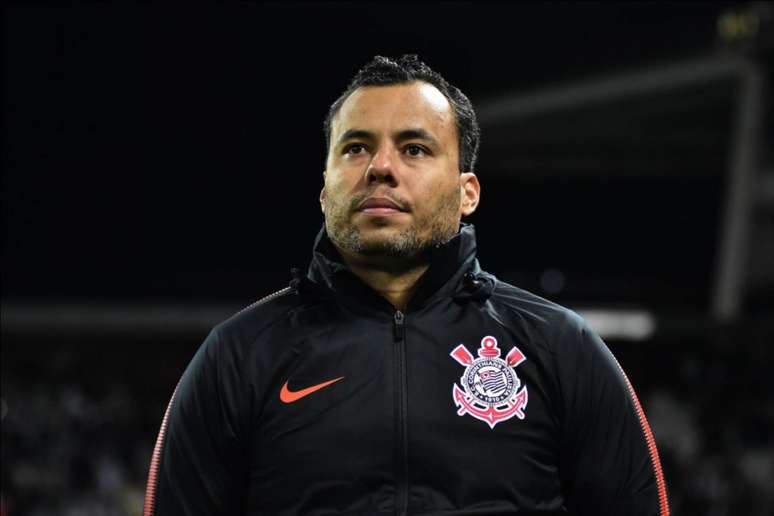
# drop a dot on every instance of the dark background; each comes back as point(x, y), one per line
point(161, 168)
point(178, 153)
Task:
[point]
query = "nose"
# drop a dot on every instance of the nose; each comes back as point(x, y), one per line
point(381, 168)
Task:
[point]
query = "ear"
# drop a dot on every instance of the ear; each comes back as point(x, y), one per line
point(322, 193)
point(471, 193)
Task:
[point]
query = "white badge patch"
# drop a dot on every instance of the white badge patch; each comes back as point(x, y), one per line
point(491, 391)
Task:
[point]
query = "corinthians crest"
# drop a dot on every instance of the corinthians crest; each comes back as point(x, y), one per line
point(491, 391)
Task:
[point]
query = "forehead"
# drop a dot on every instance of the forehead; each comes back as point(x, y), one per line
point(395, 107)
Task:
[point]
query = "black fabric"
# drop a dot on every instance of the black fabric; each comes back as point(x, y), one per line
point(386, 437)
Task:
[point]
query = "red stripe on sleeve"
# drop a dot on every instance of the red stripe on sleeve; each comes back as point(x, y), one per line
point(663, 503)
point(150, 492)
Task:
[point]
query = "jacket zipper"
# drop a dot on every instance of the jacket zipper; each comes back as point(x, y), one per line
point(401, 400)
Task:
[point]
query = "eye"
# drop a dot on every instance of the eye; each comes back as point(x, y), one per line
point(415, 150)
point(354, 149)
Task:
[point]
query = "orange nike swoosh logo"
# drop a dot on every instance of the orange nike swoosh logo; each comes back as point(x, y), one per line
point(288, 396)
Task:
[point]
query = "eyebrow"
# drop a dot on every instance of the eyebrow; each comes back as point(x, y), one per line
point(415, 134)
point(351, 134)
point(406, 134)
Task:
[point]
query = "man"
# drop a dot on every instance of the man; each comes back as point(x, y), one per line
point(397, 377)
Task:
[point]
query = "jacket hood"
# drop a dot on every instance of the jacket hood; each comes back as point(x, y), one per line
point(454, 271)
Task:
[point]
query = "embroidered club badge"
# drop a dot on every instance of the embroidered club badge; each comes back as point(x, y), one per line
point(491, 391)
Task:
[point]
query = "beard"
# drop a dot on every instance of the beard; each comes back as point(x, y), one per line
point(406, 245)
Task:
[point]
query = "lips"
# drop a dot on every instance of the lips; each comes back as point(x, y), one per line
point(380, 206)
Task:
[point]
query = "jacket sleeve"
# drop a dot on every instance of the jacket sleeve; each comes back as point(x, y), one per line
point(609, 464)
point(198, 464)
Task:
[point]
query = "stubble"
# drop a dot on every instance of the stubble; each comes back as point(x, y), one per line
point(409, 244)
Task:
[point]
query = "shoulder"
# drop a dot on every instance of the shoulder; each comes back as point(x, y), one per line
point(260, 313)
point(580, 355)
point(549, 322)
point(531, 307)
point(248, 324)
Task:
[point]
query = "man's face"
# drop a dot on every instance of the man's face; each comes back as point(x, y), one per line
point(392, 181)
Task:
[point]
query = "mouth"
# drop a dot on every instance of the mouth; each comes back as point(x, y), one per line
point(380, 206)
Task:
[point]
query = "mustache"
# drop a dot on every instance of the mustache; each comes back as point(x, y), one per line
point(357, 200)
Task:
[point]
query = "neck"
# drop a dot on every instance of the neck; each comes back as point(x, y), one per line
point(396, 284)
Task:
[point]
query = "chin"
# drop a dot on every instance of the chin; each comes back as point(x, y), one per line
point(390, 242)
point(383, 233)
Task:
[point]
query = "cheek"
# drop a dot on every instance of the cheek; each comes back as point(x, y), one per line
point(338, 191)
point(342, 179)
point(332, 184)
point(433, 198)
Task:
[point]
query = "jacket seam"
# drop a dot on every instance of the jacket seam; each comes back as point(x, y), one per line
point(650, 442)
point(149, 508)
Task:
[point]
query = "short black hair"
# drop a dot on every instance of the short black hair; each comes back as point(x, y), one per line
point(382, 71)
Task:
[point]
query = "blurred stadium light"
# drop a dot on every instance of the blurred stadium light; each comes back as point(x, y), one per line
point(76, 318)
point(621, 324)
point(548, 101)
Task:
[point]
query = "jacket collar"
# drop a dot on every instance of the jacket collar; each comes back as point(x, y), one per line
point(446, 275)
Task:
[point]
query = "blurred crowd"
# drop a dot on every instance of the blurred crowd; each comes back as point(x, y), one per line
point(70, 449)
point(712, 413)
point(66, 452)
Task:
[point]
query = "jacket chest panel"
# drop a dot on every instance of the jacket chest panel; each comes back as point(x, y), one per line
point(477, 393)
point(341, 432)
point(394, 410)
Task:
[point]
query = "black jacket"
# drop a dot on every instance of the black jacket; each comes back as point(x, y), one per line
point(480, 399)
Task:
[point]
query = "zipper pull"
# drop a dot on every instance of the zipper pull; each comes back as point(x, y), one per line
point(399, 324)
